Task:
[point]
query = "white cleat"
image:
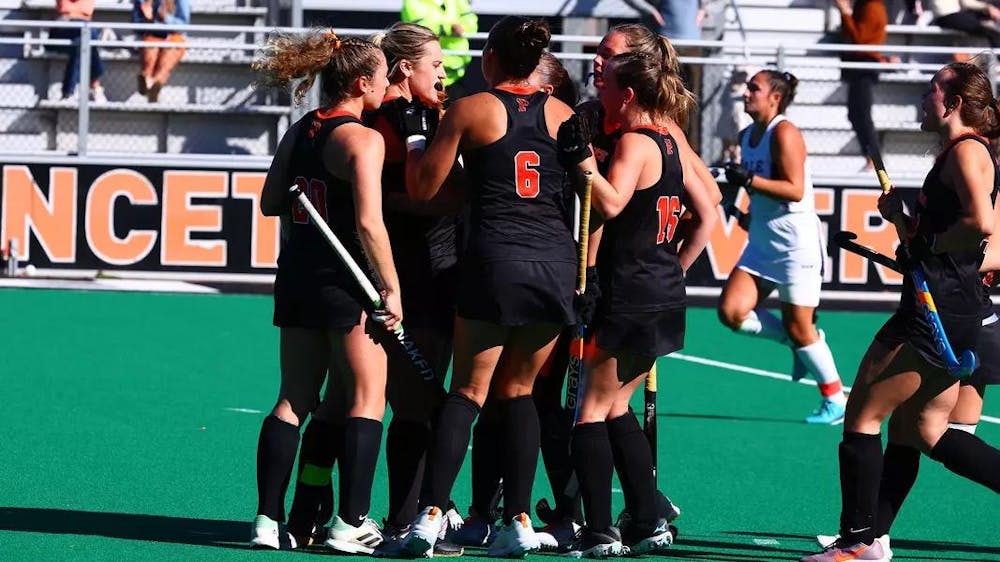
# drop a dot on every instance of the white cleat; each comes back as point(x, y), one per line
point(424, 532)
point(264, 534)
point(348, 539)
point(515, 539)
point(826, 541)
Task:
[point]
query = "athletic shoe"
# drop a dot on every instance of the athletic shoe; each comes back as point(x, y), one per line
point(475, 531)
point(826, 541)
point(829, 413)
point(558, 537)
point(799, 369)
point(264, 533)
point(666, 508)
point(642, 541)
point(598, 544)
point(839, 552)
point(97, 94)
point(348, 539)
point(424, 532)
point(515, 539)
point(392, 542)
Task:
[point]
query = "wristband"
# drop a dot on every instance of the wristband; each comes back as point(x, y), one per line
point(416, 142)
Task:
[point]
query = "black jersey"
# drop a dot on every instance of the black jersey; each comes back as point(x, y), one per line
point(304, 251)
point(422, 246)
point(604, 136)
point(953, 278)
point(637, 260)
point(518, 207)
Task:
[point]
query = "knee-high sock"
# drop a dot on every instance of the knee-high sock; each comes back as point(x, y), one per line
point(448, 448)
point(521, 435)
point(362, 439)
point(900, 465)
point(762, 323)
point(969, 456)
point(591, 453)
point(486, 472)
point(312, 504)
point(634, 463)
point(406, 445)
point(819, 359)
point(860, 472)
point(276, 447)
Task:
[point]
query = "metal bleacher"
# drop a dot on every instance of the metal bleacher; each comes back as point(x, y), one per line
point(209, 106)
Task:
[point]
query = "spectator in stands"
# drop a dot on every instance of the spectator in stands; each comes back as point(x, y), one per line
point(974, 17)
point(78, 10)
point(159, 62)
point(674, 19)
point(862, 23)
point(451, 21)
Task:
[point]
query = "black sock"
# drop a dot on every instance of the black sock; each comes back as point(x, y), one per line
point(276, 448)
point(362, 439)
point(406, 447)
point(591, 453)
point(486, 462)
point(899, 471)
point(448, 449)
point(970, 457)
point(555, 442)
point(312, 503)
point(634, 463)
point(521, 435)
point(860, 472)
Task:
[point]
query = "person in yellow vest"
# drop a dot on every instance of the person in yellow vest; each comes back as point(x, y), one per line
point(451, 21)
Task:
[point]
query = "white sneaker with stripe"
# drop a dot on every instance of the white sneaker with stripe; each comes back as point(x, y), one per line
point(346, 538)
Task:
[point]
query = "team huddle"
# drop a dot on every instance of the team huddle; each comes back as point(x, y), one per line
point(464, 222)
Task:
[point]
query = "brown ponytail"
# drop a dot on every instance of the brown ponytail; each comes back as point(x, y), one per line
point(287, 58)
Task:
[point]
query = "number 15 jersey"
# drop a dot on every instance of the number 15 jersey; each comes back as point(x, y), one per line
point(520, 207)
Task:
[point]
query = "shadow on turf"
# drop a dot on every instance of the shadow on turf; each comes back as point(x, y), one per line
point(155, 528)
point(902, 544)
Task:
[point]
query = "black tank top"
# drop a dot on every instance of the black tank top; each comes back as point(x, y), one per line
point(304, 251)
point(604, 136)
point(953, 278)
point(637, 260)
point(422, 246)
point(518, 207)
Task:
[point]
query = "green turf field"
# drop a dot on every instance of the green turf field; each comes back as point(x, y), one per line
point(130, 426)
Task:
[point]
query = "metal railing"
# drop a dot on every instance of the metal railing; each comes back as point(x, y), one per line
point(717, 53)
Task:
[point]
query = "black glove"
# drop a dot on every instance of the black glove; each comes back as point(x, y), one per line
point(738, 175)
point(573, 142)
point(915, 251)
point(585, 305)
point(414, 118)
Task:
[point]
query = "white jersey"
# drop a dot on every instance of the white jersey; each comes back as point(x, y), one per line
point(785, 244)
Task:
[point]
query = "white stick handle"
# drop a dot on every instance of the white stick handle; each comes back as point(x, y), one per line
point(342, 253)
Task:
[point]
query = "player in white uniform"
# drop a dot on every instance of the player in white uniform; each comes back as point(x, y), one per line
point(785, 250)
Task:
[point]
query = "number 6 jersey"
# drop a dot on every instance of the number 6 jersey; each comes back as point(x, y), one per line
point(519, 197)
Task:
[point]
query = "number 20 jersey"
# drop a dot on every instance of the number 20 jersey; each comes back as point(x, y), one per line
point(519, 197)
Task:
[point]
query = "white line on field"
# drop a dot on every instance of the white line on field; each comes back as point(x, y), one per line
point(768, 374)
point(243, 410)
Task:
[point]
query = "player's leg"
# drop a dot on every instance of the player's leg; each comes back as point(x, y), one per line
point(322, 443)
point(960, 450)
point(525, 351)
point(644, 529)
point(360, 363)
point(798, 308)
point(477, 528)
point(478, 345)
point(592, 458)
point(303, 361)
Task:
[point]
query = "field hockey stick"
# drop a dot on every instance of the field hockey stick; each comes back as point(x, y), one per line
point(574, 382)
point(845, 240)
point(960, 368)
point(649, 414)
point(416, 358)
